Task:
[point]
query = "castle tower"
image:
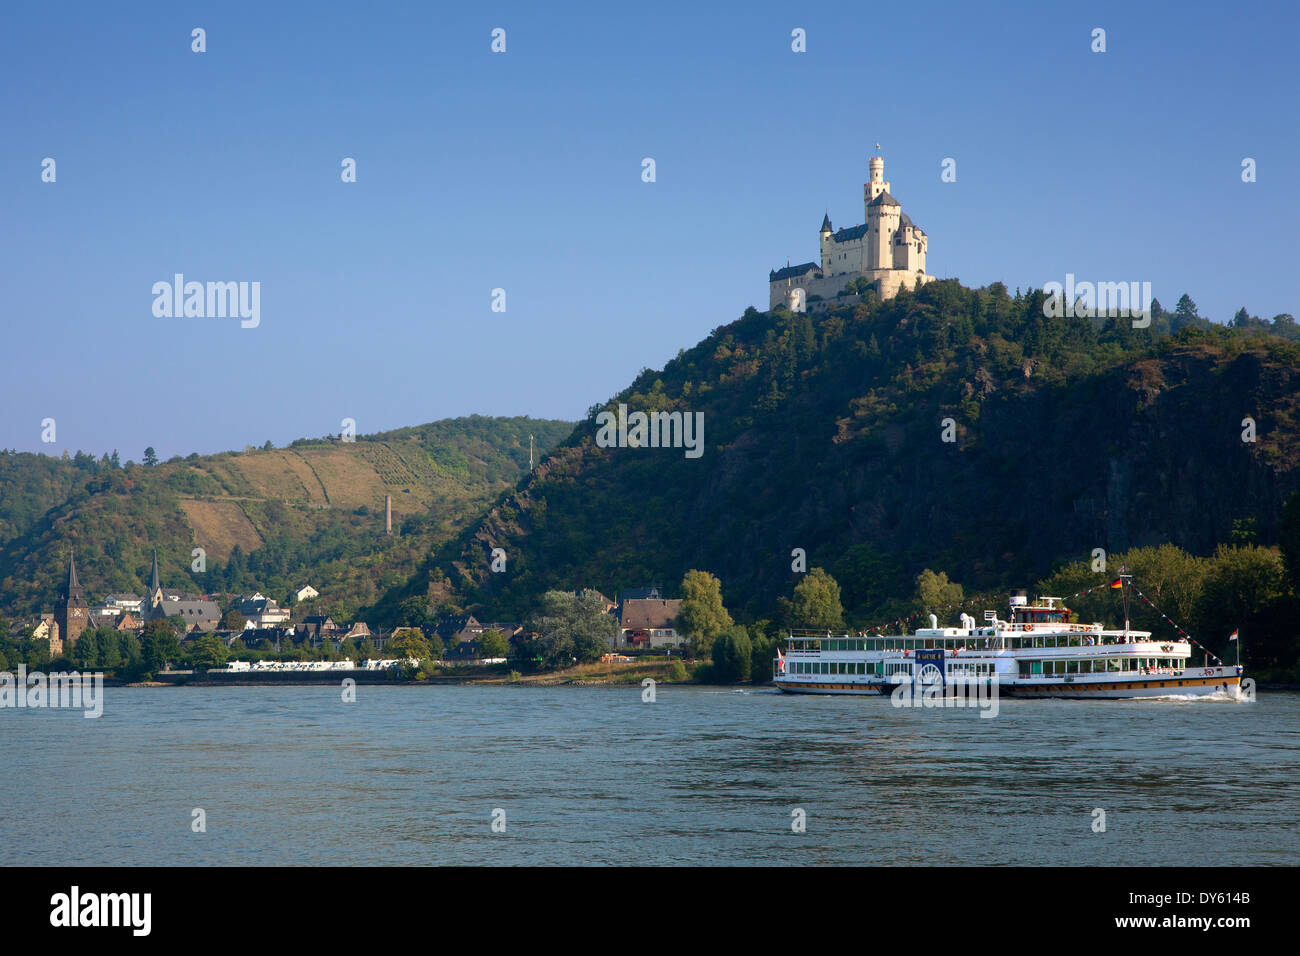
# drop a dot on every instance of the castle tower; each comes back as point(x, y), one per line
point(876, 184)
point(825, 233)
point(74, 611)
point(883, 215)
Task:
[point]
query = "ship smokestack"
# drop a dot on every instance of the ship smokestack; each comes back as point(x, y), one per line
point(934, 620)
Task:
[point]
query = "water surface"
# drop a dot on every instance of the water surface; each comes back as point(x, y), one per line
point(412, 775)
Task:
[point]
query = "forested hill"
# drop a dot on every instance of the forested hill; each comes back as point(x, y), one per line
point(268, 519)
point(825, 432)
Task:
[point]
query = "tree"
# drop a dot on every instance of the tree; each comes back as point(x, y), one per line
point(764, 650)
point(572, 625)
point(732, 656)
point(702, 616)
point(150, 456)
point(1288, 540)
point(85, 653)
point(414, 611)
point(132, 654)
point(817, 602)
point(1240, 585)
point(1185, 313)
point(110, 649)
point(934, 591)
point(494, 643)
point(409, 642)
point(160, 645)
point(208, 652)
point(232, 620)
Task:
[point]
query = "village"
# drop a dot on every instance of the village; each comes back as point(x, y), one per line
point(258, 632)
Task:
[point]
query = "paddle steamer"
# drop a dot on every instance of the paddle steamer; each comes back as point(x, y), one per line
point(1037, 652)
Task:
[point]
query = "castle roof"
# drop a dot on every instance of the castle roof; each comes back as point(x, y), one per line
point(826, 223)
point(790, 272)
point(884, 199)
point(853, 232)
point(906, 220)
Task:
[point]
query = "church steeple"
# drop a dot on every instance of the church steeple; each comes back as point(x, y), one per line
point(75, 592)
point(151, 607)
point(73, 616)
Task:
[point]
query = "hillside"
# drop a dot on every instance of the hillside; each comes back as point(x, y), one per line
point(269, 519)
point(824, 433)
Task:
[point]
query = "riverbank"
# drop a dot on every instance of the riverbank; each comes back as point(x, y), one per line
point(582, 675)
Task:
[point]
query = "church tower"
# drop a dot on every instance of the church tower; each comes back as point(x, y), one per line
point(74, 612)
point(152, 606)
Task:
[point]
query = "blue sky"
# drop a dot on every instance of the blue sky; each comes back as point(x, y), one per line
point(522, 171)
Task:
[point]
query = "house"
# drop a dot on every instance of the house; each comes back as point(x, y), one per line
point(125, 603)
point(45, 627)
point(508, 629)
point(649, 623)
point(466, 652)
point(263, 611)
point(358, 632)
point(254, 636)
point(609, 605)
point(458, 629)
point(101, 617)
point(316, 628)
point(305, 593)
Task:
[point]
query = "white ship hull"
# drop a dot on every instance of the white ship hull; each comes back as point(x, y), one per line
point(1194, 682)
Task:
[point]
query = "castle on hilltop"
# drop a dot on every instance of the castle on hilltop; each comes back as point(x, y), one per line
point(888, 250)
